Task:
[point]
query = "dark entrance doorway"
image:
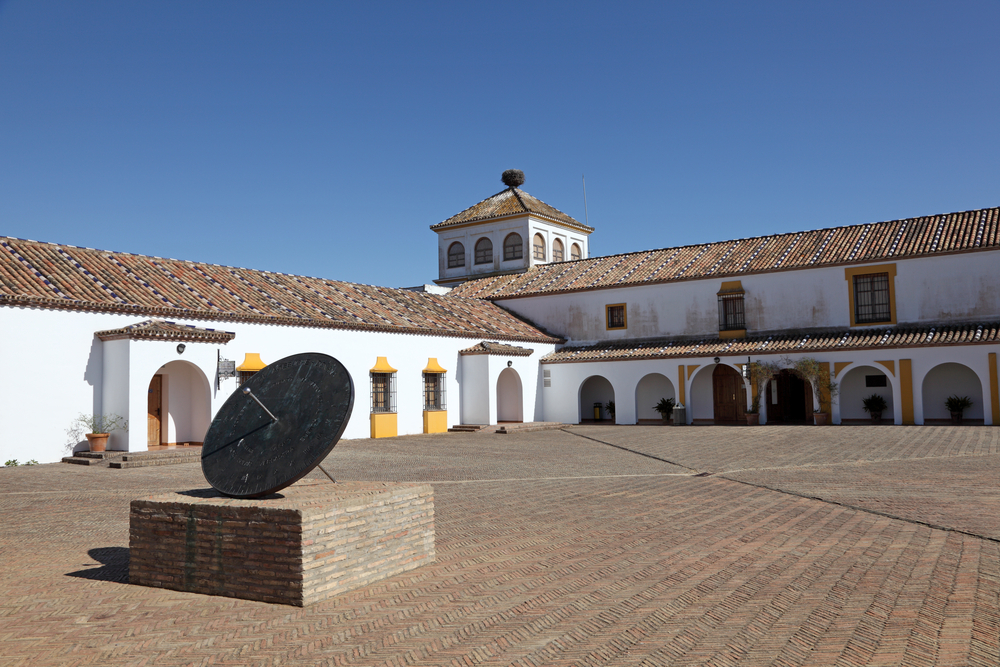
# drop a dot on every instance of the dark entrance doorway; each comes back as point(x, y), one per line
point(789, 399)
point(729, 396)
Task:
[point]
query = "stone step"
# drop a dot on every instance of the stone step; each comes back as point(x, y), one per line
point(161, 458)
point(468, 428)
point(88, 458)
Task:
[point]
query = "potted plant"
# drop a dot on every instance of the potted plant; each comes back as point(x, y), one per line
point(666, 408)
point(875, 405)
point(610, 407)
point(97, 429)
point(956, 406)
point(817, 374)
point(761, 373)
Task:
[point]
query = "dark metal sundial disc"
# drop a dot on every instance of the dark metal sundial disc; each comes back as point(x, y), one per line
point(246, 454)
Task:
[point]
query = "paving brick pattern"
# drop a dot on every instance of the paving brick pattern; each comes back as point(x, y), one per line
point(554, 548)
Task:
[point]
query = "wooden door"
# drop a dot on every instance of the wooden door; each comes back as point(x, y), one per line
point(729, 395)
point(154, 408)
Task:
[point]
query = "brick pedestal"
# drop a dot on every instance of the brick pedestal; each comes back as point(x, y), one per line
point(311, 541)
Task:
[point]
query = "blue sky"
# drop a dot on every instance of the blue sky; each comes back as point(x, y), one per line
point(324, 138)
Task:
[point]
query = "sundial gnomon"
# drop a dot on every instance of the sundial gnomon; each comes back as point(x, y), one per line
point(278, 426)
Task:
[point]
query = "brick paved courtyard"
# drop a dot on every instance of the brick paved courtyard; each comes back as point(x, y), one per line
point(596, 545)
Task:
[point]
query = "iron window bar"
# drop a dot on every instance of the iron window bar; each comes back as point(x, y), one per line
point(732, 315)
point(871, 298)
point(435, 393)
point(383, 392)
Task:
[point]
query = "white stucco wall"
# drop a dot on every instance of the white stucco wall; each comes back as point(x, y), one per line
point(951, 379)
point(54, 368)
point(963, 287)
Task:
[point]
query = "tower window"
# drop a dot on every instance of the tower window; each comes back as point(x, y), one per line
point(456, 255)
point(513, 247)
point(538, 247)
point(574, 252)
point(484, 251)
point(557, 251)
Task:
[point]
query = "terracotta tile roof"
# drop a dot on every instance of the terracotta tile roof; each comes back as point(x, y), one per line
point(815, 342)
point(165, 330)
point(47, 275)
point(511, 201)
point(857, 244)
point(498, 349)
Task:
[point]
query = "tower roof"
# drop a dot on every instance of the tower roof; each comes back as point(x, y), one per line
point(512, 201)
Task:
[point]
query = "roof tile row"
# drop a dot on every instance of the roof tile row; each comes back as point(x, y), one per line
point(56, 276)
point(826, 341)
point(952, 232)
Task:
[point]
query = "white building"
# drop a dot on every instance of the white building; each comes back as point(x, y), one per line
point(908, 309)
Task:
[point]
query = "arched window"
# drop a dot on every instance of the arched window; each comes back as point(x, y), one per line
point(574, 252)
point(484, 251)
point(512, 247)
point(456, 255)
point(538, 246)
point(557, 251)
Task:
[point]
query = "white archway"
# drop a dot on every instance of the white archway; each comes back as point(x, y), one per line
point(510, 404)
point(648, 392)
point(859, 382)
point(186, 411)
point(951, 379)
point(595, 389)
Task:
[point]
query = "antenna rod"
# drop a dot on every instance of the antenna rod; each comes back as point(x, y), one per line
point(585, 213)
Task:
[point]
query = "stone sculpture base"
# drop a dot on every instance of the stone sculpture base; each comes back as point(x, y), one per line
point(309, 542)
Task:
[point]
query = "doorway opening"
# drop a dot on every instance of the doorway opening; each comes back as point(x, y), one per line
point(789, 399)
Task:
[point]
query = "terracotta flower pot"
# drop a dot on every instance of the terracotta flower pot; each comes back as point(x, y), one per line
point(876, 417)
point(753, 419)
point(820, 418)
point(956, 417)
point(98, 441)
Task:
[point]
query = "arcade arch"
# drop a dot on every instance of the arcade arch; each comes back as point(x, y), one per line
point(648, 392)
point(596, 389)
point(857, 384)
point(951, 379)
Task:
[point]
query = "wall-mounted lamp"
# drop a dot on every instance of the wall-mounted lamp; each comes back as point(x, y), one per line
point(509, 364)
point(716, 360)
point(181, 347)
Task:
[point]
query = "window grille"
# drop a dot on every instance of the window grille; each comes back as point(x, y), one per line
point(538, 247)
point(245, 375)
point(456, 255)
point(574, 252)
point(616, 316)
point(434, 391)
point(484, 251)
point(731, 312)
point(513, 247)
point(557, 251)
point(871, 298)
point(383, 392)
